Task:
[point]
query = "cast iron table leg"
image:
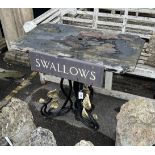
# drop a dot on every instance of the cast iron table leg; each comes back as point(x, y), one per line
point(90, 121)
point(76, 106)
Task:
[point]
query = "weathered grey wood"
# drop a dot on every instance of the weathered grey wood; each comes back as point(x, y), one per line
point(140, 10)
point(8, 24)
point(95, 18)
point(140, 61)
point(68, 10)
point(117, 94)
point(55, 20)
point(146, 67)
point(26, 14)
point(109, 31)
point(146, 54)
point(109, 23)
point(125, 20)
point(99, 14)
point(143, 58)
point(20, 17)
point(147, 36)
point(17, 57)
point(141, 19)
point(144, 71)
point(136, 19)
point(140, 28)
point(108, 80)
point(113, 11)
point(42, 78)
point(56, 14)
point(77, 20)
point(49, 15)
point(131, 18)
point(45, 15)
point(12, 21)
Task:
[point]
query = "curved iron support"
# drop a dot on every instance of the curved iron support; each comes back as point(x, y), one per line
point(76, 107)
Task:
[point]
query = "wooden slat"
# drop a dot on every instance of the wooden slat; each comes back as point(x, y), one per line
point(109, 23)
point(140, 61)
point(114, 93)
point(95, 18)
point(56, 14)
point(45, 15)
point(100, 14)
point(149, 11)
point(124, 21)
point(143, 31)
point(140, 10)
point(143, 58)
point(146, 54)
point(140, 27)
point(56, 20)
point(142, 19)
point(77, 20)
point(142, 34)
point(147, 36)
point(144, 70)
point(68, 11)
point(115, 16)
point(145, 67)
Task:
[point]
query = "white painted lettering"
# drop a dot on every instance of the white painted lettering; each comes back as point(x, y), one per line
point(38, 64)
point(59, 69)
point(45, 64)
point(69, 70)
point(73, 71)
point(64, 67)
point(53, 67)
point(93, 77)
point(83, 72)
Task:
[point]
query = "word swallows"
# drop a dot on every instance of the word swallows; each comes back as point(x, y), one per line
point(66, 69)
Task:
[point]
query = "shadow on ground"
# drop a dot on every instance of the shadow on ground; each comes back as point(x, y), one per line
point(68, 135)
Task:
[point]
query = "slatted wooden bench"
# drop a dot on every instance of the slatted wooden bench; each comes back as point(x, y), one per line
point(133, 21)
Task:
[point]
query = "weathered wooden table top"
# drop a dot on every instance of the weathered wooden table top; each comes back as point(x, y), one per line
point(119, 52)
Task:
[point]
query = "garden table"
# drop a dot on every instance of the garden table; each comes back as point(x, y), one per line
point(81, 55)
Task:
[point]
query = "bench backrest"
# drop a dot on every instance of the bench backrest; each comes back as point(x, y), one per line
point(128, 20)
